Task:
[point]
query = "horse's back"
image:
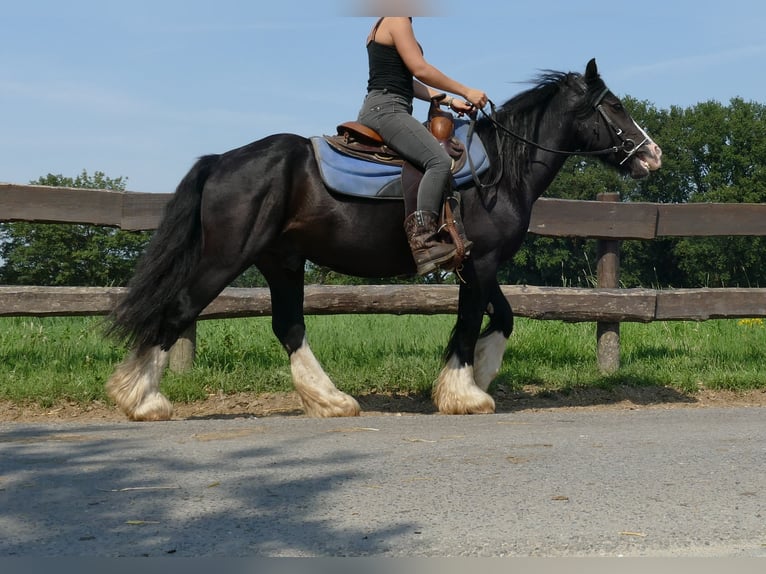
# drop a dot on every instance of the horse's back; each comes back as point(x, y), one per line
point(269, 195)
point(265, 169)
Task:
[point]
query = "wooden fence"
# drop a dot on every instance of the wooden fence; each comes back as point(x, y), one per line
point(607, 220)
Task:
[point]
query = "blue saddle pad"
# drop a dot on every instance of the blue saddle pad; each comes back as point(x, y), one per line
point(353, 176)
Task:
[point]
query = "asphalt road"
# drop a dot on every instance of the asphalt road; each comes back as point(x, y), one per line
point(653, 482)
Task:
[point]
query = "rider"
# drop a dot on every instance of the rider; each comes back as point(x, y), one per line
point(399, 73)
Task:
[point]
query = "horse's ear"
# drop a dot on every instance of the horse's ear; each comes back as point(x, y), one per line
point(591, 70)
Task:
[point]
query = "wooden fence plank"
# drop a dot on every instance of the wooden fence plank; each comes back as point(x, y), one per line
point(552, 217)
point(16, 301)
point(581, 304)
point(703, 304)
point(567, 304)
point(44, 204)
point(606, 220)
point(711, 219)
point(143, 211)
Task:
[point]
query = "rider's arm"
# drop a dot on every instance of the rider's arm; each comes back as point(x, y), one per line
point(423, 92)
point(403, 37)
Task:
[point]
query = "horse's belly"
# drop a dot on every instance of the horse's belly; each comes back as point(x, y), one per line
point(365, 262)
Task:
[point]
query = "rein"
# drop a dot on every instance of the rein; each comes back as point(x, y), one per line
point(627, 145)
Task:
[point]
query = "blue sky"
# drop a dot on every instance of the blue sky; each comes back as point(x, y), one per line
point(140, 89)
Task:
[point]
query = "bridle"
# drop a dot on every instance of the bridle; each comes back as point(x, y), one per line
point(627, 145)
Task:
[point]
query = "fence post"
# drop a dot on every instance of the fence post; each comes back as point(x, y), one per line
point(608, 270)
point(182, 353)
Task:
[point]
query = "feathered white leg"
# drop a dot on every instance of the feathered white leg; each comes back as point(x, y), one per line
point(134, 386)
point(318, 394)
point(488, 357)
point(456, 392)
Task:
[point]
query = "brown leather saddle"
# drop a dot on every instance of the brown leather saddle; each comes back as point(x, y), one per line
point(357, 140)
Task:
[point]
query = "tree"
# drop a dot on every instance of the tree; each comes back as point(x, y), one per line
point(63, 254)
point(717, 153)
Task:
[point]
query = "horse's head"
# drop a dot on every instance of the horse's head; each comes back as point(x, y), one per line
point(605, 123)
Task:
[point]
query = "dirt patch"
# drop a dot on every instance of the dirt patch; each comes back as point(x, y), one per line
point(288, 404)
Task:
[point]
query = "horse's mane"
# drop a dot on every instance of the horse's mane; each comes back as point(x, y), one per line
point(522, 115)
point(547, 85)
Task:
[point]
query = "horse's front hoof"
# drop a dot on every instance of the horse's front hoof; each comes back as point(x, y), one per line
point(457, 394)
point(339, 404)
point(475, 404)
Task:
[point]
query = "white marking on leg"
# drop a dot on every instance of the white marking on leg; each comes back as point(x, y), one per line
point(456, 392)
point(319, 395)
point(488, 357)
point(135, 383)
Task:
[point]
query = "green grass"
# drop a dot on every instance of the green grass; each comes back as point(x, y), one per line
point(68, 359)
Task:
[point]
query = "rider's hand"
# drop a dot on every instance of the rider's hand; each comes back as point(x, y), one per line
point(476, 97)
point(461, 107)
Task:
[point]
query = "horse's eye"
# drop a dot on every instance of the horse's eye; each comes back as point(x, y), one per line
point(618, 107)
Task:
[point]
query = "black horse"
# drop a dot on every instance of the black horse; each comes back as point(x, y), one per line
point(265, 204)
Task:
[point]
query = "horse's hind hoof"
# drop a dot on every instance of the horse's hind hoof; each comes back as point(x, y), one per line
point(154, 408)
point(134, 383)
point(320, 398)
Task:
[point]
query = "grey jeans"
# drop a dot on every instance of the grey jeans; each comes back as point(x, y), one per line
point(391, 116)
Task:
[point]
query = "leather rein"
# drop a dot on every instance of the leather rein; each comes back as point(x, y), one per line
point(627, 145)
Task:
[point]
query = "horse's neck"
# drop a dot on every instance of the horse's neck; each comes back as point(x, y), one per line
point(543, 166)
point(543, 169)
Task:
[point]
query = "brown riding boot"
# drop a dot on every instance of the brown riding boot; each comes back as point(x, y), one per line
point(427, 251)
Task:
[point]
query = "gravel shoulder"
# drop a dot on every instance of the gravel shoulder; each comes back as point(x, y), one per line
point(288, 404)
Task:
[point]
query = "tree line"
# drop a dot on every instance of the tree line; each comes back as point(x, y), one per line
point(712, 152)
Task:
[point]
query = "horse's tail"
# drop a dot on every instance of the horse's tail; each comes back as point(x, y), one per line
point(170, 258)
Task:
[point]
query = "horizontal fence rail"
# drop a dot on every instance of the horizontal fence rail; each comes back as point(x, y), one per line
point(136, 211)
point(552, 303)
point(607, 220)
point(131, 211)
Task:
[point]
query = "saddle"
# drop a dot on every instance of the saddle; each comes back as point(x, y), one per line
point(357, 140)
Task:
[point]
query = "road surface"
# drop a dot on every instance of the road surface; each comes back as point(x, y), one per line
point(647, 482)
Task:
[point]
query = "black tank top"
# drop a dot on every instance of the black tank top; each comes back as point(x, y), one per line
point(387, 69)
